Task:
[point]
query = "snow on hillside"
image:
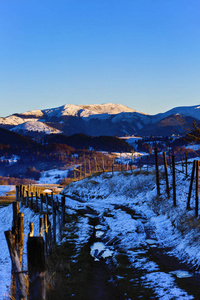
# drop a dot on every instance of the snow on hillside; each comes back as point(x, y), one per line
point(14, 120)
point(35, 126)
point(140, 222)
point(190, 111)
point(137, 220)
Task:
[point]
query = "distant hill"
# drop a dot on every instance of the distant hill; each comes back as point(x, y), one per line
point(81, 141)
point(100, 120)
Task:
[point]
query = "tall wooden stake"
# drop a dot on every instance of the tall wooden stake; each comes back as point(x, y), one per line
point(174, 180)
point(166, 174)
point(191, 183)
point(157, 172)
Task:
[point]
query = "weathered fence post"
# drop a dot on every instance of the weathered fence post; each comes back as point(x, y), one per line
point(36, 268)
point(52, 201)
point(191, 183)
point(17, 192)
point(31, 229)
point(63, 211)
point(15, 220)
point(42, 199)
point(174, 180)
point(27, 198)
point(31, 200)
point(46, 233)
point(186, 162)
point(157, 172)
point(20, 235)
point(41, 227)
point(36, 201)
point(197, 190)
point(20, 288)
point(47, 211)
point(54, 222)
point(166, 174)
point(20, 192)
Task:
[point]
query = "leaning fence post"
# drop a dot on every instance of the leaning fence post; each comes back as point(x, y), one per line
point(174, 180)
point(20, 287)
point(166, 174)
point(191, 183)
point(197, 190)
point(157, 172)
point(36, 268)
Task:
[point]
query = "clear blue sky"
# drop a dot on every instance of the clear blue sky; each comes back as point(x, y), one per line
point(144, 54)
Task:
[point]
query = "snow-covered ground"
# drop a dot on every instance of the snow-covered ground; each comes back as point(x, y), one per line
point(4, 189)
point(53, 176)
point(131, 212)
point(171, 228)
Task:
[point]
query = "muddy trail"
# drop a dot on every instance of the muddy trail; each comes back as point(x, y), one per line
point(102, 269)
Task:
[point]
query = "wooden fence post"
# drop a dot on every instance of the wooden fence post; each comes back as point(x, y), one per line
point(41, 227)
point(46, 232)
point(54, 222)
point(31, 229)
point(27, 198)
point(47, 210)
point(15, 220)
point(166, 174)
point(52, 201)
point(186, 162)
point(157, 172)
point(17, 192)
point(174, 180)
point(191, 183)
point(42, 199)
point(36, 201)
point(21, 229)
point(20, 288)
point(63, 211)
point(20, 235)
point(36, 268)
point(31, 200)
point(197, 190)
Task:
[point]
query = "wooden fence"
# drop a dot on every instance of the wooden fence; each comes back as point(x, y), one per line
point(39, 246)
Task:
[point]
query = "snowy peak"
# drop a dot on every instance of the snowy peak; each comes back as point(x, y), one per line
point(87, 110)
point(35, 126)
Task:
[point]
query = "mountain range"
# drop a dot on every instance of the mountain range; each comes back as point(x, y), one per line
point(101, 119)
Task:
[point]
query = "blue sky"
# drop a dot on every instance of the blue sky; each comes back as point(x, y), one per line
point(144, 54)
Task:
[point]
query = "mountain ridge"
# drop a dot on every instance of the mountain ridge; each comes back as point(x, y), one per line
point(100, 119)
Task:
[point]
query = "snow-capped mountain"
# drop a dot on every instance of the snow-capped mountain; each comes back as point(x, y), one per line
point(100, 119)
